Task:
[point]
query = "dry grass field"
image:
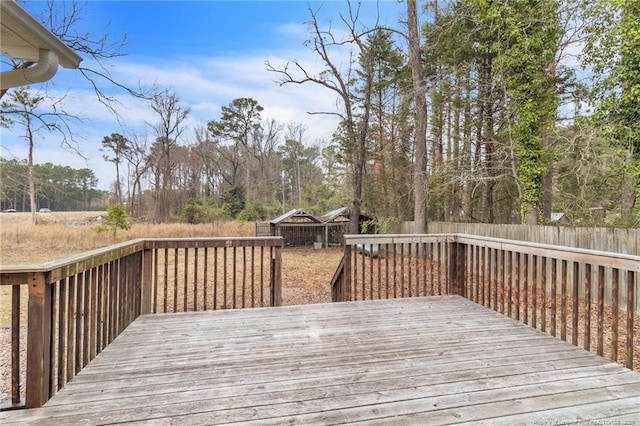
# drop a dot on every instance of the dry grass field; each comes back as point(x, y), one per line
point(306, 272)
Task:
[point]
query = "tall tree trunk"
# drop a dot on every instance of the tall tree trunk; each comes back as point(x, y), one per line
point(32, 179)
point(488, 139)
point(456, 186)
point(547, 192)
point(419, 89)
point(627, 198)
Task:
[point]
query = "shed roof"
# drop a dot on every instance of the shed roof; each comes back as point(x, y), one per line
point(344, 212)
point(333, 214)
point(295, 213)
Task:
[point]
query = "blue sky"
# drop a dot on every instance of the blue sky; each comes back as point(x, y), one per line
point(208, 53)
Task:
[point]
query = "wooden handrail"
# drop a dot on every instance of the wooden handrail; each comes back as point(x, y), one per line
point(560, 290)
point(79, 304)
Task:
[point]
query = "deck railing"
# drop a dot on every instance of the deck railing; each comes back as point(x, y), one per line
point(75, 307)
point(586, 297)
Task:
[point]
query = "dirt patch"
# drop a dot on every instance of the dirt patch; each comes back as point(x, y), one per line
point(306, 275)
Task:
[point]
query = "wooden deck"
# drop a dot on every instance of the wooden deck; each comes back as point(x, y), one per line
point(434, 360)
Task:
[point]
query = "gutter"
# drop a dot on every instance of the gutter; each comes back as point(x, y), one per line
point(45, 68)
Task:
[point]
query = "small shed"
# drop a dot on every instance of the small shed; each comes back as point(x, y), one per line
point(298, 228)
point(337, 224)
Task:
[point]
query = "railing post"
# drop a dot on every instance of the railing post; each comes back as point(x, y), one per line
point(15, 344)
point(38, 340)
point(146, 288)
point(276, 272)
point(346, 278)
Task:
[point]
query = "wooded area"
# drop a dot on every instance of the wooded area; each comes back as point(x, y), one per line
point(531, 108)
point(58, 188)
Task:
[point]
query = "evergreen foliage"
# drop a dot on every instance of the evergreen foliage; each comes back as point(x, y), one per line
point(115, 220)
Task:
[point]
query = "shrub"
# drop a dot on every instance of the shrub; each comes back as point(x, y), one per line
point(115, 220)
point(252, 212)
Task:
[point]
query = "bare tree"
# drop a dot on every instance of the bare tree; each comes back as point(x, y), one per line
point(22, 108)
point(169, 128)
point(355, 101)
point(137, 165)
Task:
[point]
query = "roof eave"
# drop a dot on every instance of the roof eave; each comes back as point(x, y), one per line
point(21, 22)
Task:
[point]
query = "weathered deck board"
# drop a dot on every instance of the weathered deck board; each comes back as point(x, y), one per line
point(436, 360)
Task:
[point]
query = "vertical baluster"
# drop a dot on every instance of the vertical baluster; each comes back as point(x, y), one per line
point(615, 311)
point(386, 269)
point(234, 277)
point(410, 284)
point(509, 283)
point(516, 260)
point(563, 307)
point(600, 343)
point(224, 277)
point(86, 318)
point(15, 344)
point(253, 284)
point(554, 295)
point(630, 309)
point(493, 279)
point(165, 279)
point(362, 274)
point(262, 276)
point(395, 274)
point(62, 335)
point(195, 278)
point(355, 274)
point(71, 312)
point(483, 276)
point(534, 291)
point(401, 270)
point(587, 306)
point(474, 273)
point(424, 259)
point(438, 263)
point(432, 272)
point(379, 270)
point(525, 289)
point(543, 293)
point(215, 278)
point(205, 278)
point(78, 324)
point(502, 272)
point(244, 275)
point(175, 280)
point(575, 303)
point(185, 280)
point(53, 358)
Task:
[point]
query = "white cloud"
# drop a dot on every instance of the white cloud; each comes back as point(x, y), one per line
point(203, 84)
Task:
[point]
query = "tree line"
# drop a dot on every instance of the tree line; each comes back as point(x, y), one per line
point(467, 110)
point(240, 165)
point(58, 188)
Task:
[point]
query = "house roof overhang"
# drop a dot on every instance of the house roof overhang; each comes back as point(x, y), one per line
point(23, 38)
